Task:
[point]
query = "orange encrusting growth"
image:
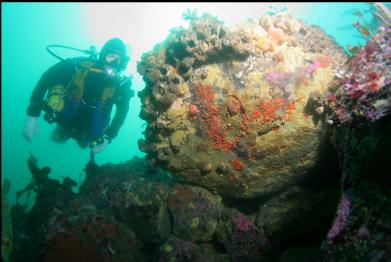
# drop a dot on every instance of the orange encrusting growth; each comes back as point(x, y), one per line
point(269, 108)
point(216, 126)
point(237, 164)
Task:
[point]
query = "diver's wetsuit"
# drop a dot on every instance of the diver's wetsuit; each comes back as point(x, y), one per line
point(61, 74)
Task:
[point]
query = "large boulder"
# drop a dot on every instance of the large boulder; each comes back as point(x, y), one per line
point(297, 215)
point(195, 212)
point(175, 249)
point(83, 231)
point(242, 240)
point(142, 204)
point(136, 195)
point(238, 110)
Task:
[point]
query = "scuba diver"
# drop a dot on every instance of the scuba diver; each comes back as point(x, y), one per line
point(79, 93)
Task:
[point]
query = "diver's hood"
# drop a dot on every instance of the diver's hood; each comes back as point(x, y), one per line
point(114, 45)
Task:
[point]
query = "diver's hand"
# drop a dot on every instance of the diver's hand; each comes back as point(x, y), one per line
point(30, 128)
point(101, 144)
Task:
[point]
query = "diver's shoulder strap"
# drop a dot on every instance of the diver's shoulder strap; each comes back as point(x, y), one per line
point(83, 63)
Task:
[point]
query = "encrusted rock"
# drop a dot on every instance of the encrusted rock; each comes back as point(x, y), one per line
point(240, 237)
point(195, 212)
point(296, 212)
point(244, 104)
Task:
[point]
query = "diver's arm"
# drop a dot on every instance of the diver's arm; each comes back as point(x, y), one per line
point(122, 108)
point(58, 73)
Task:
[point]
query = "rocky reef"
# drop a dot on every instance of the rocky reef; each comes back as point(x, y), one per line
point(238, 110)
point(133, 212)
point(129, 212)
point(361, 108)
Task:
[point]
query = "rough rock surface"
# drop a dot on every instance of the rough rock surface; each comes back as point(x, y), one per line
point(240, 237)
point(138, 200)
point(175, 249)
point(195, 212)
point(128, 212)
point(88, 233)
point(361, 107)
point(296, 214)
point(238, 110)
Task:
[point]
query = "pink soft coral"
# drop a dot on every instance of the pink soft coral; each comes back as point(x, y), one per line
point(242, 222)
point(313, 67)
point(341, 220)
point(274, 77)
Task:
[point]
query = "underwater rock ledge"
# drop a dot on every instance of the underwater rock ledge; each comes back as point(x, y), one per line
point(238, 110)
